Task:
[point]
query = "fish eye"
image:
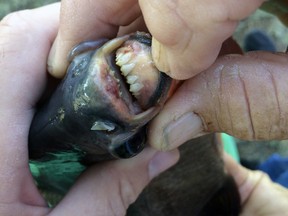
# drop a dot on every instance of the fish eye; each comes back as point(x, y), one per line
point(132, 146)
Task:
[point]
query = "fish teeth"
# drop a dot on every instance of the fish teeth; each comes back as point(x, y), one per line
point(118, 56)
point(136, 87)
point(112, 73)
point(123, 59)
point(127, 68)
point(100, 125)
point(136, 93)
point(131, 79)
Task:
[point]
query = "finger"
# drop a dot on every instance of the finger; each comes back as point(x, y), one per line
point(188, 34)
point(26, 38)
point(137, 25)
point(251, 185)
point(246, 180)
point(88, 20)
point(110, 188)
point(244, 96)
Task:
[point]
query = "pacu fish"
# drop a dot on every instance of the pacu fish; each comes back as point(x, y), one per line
point(100, 110)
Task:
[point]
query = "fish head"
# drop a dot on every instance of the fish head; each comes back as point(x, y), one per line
point(120, 89)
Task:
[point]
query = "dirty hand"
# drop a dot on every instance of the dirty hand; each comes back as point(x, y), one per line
point(242, 95)
point(259, 195)
point(187, 34)
point(104, 189)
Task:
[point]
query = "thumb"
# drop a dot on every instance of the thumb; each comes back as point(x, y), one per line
point(109, 188)
point(186, 36)
point(244, 96)
point(257, 191)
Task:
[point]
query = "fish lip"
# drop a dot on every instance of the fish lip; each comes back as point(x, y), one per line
point(109, 82)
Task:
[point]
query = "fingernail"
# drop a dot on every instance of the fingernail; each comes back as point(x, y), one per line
point(159, 56)
point(184, 128)
point(162, 161)
point(56, 64)
point(51, 57)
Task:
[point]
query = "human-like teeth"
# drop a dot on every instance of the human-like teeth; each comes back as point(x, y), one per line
point(119, 55)
point(136, 87)
point(123, 59)
point(127, 68)
point(112, 73)
point(131, 79)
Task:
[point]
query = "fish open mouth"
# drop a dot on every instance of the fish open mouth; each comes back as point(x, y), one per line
point(126, 73)
point(136, 66)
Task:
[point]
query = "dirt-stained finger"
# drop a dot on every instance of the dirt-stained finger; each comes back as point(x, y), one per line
point(242, 95)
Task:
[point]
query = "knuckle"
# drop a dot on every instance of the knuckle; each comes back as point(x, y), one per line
point(262, 176)
point(127, 190)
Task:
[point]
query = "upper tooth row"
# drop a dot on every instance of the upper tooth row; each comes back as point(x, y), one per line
point(123, 58)
point(131, 79)
point(136, 87)
point(127, 68)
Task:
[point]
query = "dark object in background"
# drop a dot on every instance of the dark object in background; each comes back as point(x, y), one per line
point(258, 40)
point(250, 164)
point(197, 185)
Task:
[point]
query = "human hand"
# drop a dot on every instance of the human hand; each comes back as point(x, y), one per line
point(104, 189)
point(257, 191)
point(187, 34)
point(242, 95)
point(79, 19)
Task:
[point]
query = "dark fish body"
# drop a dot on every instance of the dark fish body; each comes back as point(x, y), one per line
point(100, 111)
point(92, 113)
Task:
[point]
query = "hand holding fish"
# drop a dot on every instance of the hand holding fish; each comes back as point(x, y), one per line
point(104, 189)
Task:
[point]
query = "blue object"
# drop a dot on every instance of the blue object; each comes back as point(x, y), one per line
point(276, 167)
point(258, 40)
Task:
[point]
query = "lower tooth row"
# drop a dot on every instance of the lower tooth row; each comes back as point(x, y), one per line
point(136, 87)
point(131, 79)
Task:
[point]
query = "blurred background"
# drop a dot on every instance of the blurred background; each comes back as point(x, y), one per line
point(7, 6)
point(250, 152)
